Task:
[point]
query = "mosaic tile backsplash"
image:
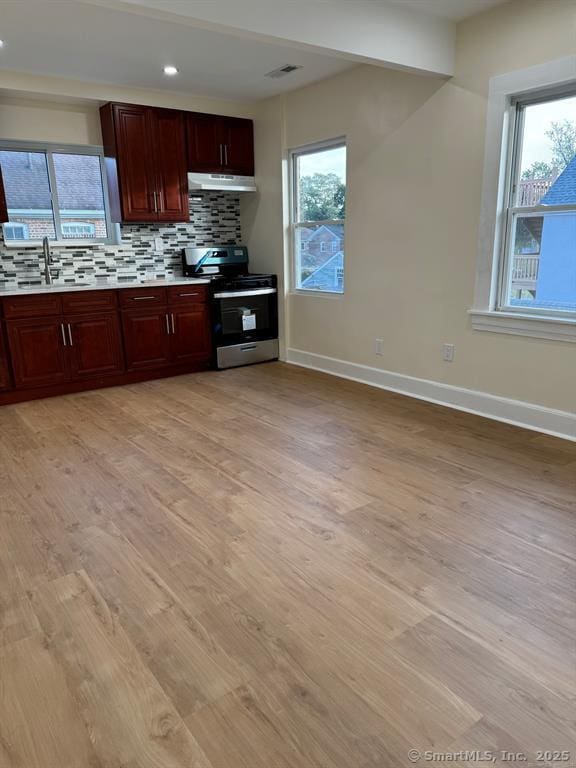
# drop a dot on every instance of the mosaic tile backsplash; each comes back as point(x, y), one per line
point(214, 219)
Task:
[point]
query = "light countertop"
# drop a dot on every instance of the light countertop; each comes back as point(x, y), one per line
point(100, 285)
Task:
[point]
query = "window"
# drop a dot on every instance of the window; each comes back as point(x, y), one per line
point(70, 229)
point(54, 193)
point(526, 272)
point(15, 231)
point(539, 257)
point(318, 212)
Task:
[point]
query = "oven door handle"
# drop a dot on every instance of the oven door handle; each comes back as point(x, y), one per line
point(255, 292)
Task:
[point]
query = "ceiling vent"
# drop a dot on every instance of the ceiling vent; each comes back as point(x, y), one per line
point(283, 71)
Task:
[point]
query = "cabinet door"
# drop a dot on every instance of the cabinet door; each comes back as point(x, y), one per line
point(95, 345)
point(3, 206)
point(135, 163)
point(239, 146)
point(146, 338)
point(169, 148)
point(38, 351)
point(4, 370)
point(205, 138)
point(190, 340)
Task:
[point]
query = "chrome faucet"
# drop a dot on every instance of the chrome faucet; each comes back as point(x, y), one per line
point(48, 262)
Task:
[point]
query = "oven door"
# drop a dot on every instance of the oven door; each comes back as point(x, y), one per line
point(245, 315)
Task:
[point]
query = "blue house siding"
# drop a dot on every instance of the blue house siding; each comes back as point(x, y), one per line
point(556, 286)
point(557, 275)
point(328, 277)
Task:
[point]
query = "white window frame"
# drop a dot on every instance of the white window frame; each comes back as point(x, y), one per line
point(293, 156)
point(17, 224)
point(75, 149)
point(490, 311)
point(79, 224)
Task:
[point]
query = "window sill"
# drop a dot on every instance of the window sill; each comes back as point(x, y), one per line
point(322, 294)
point(536, 327)
point(21, 244)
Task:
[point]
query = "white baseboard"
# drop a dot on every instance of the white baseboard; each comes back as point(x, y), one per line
point(528, 415)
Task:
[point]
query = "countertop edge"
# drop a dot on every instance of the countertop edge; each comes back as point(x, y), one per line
point(43, 289)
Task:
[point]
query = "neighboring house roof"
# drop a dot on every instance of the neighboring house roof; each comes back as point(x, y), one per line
point(326, 273)
point(563, 190)
point(337, 230)
point(26, 181)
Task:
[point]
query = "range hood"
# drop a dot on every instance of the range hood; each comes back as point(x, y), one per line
point(220, 182)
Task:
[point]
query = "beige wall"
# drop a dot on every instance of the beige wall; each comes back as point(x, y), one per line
point(36, 108)
point(415, 155)
point(34, 120)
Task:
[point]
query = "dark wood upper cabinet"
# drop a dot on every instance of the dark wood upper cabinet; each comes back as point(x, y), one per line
point(239, 146)
point(129, 165)
point(205, 143)
point(3, 204)
point(145, 153)
point(169, 148)
point(220, 144)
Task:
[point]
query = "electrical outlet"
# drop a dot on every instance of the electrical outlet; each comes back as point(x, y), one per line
point(158, 244)
point(378, 346)
point(448, 353)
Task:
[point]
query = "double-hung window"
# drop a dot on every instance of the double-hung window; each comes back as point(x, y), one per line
point(526, 277)
point(539, 264)
point(318, 193)
point(54, 192)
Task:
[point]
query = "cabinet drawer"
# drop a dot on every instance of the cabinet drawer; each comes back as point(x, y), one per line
point(88, 302)
point(142, 297)
point(185, 294)
point(35, 305)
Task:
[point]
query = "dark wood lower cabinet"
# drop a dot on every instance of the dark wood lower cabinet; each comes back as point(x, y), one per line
point(38, 352)
point(81, 341)
point(146, 338)
point(95, 346)
point(190, 339)
point(166, 336)
point(5, 378)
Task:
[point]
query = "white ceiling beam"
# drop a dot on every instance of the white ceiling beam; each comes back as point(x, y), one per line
point(366, 31)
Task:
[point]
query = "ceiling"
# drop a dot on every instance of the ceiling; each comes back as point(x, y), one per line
point(448, 9)
point(105, 45)
point(129, 43)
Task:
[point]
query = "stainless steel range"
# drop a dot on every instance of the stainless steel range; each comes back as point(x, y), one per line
point(244, 306)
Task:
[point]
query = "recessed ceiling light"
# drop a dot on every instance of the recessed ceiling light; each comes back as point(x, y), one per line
point(1, 43)
point(170, 70)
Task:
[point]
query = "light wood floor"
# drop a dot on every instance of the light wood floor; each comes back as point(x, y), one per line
point(272, 568)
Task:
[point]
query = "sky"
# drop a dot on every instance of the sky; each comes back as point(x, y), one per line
point(329, 161)
point(537, 145)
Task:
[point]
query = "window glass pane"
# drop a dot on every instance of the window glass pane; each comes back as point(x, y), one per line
point(321, 185)
point(80, 196)
point(28, 196)
point(320, 191)
point(548, 154)
point(320, 257)
point(543, 263)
